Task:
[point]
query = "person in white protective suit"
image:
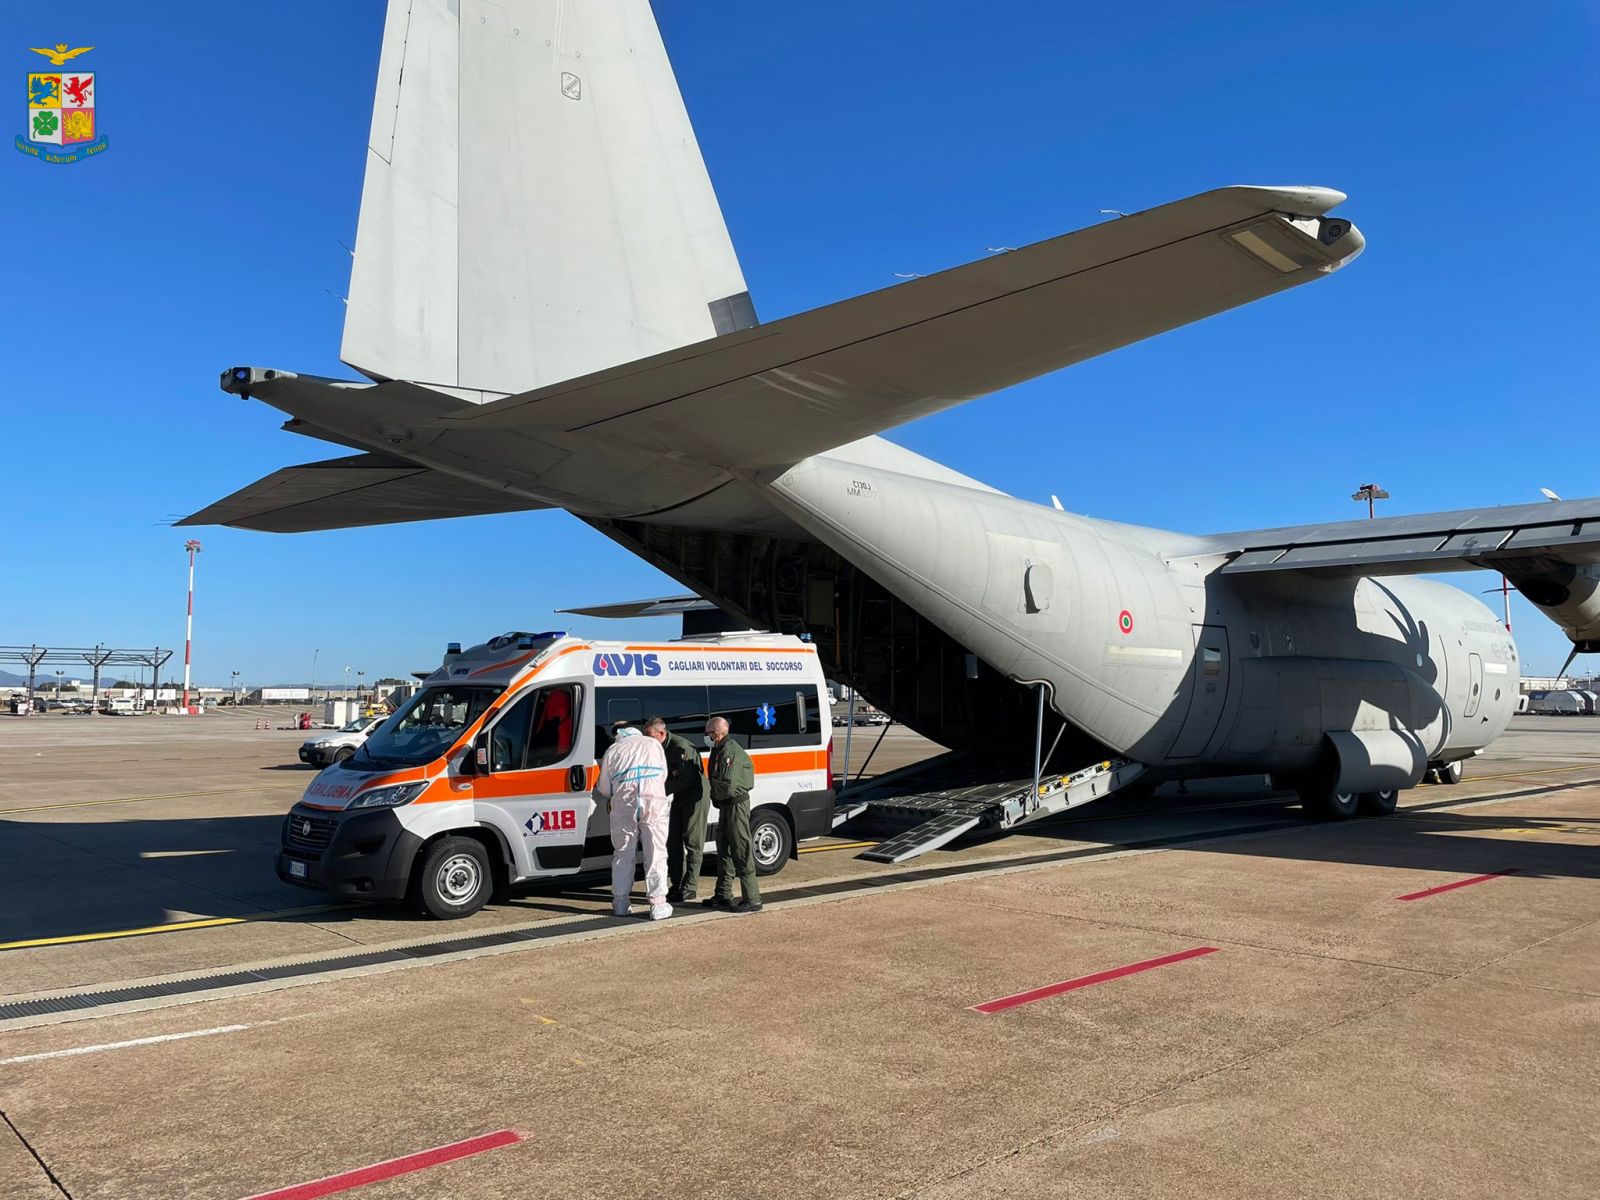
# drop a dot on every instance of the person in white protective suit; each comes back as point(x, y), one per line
point(633, 787)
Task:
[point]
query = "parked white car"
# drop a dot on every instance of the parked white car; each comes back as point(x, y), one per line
point(340, 744)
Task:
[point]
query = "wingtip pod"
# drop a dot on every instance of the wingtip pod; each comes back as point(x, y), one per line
point(1297, 200)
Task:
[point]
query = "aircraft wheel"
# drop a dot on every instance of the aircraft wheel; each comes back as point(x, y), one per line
point(1325, 804)
point(1450, 772)
point(1378, 804)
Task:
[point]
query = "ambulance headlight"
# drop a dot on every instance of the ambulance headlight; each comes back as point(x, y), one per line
point(389, 797)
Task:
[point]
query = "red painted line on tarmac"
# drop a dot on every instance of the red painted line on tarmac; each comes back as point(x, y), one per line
point(1460, 883)
point(1083, 981)
point(395, 1166)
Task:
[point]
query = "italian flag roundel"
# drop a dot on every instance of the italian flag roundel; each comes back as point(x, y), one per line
point(1125, 621)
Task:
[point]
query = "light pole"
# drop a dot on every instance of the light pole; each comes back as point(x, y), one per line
point(314, 654)
point(359, 675)
point(1370, 492)
point(193, 547)
point(236, 689)
point(59, 674)
point(347, 683)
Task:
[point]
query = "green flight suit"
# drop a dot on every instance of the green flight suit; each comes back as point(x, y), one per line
point(686, 825)
point(732, 777)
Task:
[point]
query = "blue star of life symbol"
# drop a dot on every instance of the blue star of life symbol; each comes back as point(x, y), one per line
point(766, 716)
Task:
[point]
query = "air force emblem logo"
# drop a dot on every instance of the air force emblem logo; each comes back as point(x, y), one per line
point(63, 115)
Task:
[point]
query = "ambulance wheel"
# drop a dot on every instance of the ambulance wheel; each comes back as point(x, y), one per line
point(344, 753)
point(1450, 772)
point(1378, 804)
point(771, 840)
point(454, 879)
point(1325, 804)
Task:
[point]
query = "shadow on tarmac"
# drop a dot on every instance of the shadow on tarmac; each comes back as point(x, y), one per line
point(63, 879)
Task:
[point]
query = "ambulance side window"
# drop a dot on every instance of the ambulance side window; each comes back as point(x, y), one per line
point(555, 724)
point(509, 740)
point(684, 709)
point(766, 716)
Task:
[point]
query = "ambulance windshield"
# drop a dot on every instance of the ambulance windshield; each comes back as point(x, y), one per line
point(425, 728)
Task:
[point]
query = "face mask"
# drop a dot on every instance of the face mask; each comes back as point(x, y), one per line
point(711, 741)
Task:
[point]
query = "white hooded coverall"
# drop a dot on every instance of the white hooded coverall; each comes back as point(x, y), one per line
point(633, 786)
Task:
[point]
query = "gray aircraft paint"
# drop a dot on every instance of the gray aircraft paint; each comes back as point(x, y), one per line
point(589, 351)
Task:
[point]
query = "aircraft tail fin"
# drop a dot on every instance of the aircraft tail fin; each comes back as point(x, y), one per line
point(536, 207)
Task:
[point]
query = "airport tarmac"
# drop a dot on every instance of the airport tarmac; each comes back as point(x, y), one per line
point(1193, 996)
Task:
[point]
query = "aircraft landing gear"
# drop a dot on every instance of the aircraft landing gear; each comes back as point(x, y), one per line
point(1322, 803)
point(1378, 804)
point(1449, 772)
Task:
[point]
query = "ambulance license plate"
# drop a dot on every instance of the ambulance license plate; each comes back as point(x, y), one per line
point(297, 869)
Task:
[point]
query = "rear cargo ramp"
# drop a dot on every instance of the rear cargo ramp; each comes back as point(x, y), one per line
point(942, 816)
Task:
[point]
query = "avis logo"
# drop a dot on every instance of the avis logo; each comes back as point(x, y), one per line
point(627, 664)
point(560, 821)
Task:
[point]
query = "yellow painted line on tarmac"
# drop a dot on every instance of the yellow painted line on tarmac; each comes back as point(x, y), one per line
point(1520, 830)
point(7, 812)
point(836, 846)
point(170, 927)
point(1589, 766)
point(208, 923)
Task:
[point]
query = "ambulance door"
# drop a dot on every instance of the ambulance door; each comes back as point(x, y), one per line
point(682, 706)
point(537, 785)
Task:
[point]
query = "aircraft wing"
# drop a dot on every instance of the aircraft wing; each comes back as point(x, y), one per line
point(769, 396)
point(363, 489)
point(1500, 539)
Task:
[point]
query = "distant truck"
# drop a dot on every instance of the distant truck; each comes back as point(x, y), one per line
point(1555, 703)
point(483, 779)
point(339, 745)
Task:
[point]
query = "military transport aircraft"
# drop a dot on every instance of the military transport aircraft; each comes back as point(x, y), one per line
point(549, 313)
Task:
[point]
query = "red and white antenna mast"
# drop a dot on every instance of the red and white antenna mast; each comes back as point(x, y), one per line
point(193, 547)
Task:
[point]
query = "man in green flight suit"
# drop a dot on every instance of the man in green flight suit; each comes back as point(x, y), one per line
point(691, 804)
point(732, 776)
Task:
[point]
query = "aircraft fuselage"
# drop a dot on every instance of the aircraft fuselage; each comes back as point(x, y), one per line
point(1142, 645)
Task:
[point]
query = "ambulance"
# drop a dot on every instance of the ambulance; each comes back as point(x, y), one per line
point(482, 779)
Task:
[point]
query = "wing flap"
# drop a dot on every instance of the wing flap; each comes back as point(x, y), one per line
point(363, 489)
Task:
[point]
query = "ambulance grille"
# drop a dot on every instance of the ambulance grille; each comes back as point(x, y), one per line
point(310, 833)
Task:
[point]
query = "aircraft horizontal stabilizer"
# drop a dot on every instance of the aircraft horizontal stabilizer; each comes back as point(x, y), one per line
point(769, 396)
point(662, 606)
point(363, 489)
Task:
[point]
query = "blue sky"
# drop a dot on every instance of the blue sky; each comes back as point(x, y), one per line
point(1455, 362)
